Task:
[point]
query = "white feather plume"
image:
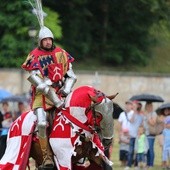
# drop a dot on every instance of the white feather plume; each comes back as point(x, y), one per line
point(37, 10)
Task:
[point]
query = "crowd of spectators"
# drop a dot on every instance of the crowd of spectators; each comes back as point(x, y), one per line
point(7, 116)
point(137, 139)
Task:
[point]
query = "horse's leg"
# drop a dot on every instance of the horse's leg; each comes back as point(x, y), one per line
point(92, 166)
point(97, 162)
point(106, 166)
point(36, 153)
point(86, 150)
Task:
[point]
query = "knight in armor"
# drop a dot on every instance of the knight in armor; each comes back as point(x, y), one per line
point(52, 78)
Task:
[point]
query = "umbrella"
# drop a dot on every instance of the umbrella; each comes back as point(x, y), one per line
point(15, 98)
point(4, 93)
point(116, 110)
point(147, 97)
point(161, 108)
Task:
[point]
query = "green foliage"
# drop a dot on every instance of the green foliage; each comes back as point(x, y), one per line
point(16, 19)
point(115, 32)
point(108, 32)
point(52, 20)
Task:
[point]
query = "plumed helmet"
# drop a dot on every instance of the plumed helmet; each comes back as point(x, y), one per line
point(45, 33)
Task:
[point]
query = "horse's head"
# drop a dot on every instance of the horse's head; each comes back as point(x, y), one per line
point(86, 98)
point(103, 107)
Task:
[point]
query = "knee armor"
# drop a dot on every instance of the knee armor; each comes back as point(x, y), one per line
point(41, 122)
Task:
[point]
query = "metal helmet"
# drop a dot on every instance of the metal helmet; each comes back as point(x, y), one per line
point(45, 33)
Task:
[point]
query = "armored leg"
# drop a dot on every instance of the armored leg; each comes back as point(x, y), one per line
point(43, 139)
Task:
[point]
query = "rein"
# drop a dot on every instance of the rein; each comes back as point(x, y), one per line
point(76, 121)
point(96, 128)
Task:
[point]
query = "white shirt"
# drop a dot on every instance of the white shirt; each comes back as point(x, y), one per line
point(125, 120)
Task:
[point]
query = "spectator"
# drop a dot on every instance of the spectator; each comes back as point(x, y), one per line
point(139, 108)
point(125, 116)
point(166, 111)
point(6, 123)
point(150, 119)
point(141, 148)
point(124, 146)
point(135, 121)
point(7, 115)
point(21, 109)
point(166, 144)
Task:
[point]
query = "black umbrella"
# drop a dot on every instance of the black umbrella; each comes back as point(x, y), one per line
point(147, 98)
point(15, 98)
point(160, 109)
point(116, 110)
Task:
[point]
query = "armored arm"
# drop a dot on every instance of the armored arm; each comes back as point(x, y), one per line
point(43, 85)
point(70, 80)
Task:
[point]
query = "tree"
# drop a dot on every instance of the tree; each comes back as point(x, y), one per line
point(16, 18)
point(114, 32)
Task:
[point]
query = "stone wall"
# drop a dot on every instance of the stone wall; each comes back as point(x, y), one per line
point(126, 84)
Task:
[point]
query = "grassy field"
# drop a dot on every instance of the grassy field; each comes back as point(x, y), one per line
point(115, 153)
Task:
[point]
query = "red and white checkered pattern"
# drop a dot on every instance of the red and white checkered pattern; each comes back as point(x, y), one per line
point(18, 143)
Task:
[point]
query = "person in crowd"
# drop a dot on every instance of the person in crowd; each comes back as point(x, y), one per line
point(21, 109)
point(150, 117)
point(7, 115)
point(124, 140)
point(135, 121)
point(6, 123)
point(164, 113)
point(125, 116)
point(52, 78)
point(139, 107)
point(141, 148)
point(166, 144)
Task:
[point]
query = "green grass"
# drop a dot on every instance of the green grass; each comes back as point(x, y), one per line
point(115, 153)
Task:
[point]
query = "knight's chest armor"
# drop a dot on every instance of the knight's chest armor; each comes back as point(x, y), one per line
point(45, 61)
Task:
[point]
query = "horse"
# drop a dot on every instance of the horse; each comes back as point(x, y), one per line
point(81, 131)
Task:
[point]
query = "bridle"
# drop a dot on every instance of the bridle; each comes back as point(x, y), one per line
point(96, 128)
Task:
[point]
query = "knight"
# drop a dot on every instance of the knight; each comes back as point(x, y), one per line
point(52, 77)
